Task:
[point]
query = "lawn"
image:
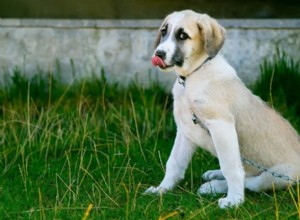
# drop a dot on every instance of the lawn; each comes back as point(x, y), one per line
point(89, 149)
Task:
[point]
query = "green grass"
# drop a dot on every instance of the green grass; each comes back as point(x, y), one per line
point(64, 147)
point(279, 86)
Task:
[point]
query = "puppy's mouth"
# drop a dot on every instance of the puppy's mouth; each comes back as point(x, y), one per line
point(157, 61)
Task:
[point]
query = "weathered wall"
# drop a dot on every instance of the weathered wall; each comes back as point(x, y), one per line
point(124, 47)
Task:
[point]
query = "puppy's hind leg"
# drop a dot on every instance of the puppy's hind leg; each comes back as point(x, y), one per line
point(213, 175)
point(213, 187)
point(216, 183)
point(283, 176)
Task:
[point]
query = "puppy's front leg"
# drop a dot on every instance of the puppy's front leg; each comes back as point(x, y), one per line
point(178, 161)
point(226, 143)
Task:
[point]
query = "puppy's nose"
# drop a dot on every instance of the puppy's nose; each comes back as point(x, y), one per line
point(161, 54)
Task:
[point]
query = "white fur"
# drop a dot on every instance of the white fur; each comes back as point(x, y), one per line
point(169, 45)
point(240, 124)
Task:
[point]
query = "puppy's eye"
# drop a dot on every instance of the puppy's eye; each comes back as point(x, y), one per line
point(183, 36)
point(163, 31)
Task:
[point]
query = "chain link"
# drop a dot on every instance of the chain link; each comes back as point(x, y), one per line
point(264, 169)
point(252, 163)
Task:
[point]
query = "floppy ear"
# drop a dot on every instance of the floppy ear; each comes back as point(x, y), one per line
point(213, 34)
point(158, 37)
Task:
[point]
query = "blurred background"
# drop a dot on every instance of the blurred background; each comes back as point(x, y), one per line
point(146, 9)
point(81, 37)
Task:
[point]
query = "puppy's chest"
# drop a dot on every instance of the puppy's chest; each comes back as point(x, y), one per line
point(182, 111)
point(183, 118)
point(182, 104)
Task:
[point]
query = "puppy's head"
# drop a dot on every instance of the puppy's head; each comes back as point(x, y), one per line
point(185, 39)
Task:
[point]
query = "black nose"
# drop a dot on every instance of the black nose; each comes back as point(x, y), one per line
point(161, 54)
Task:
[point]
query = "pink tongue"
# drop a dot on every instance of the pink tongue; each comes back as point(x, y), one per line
point(156, 61)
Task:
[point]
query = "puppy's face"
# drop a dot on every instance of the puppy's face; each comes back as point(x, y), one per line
point(184, 39)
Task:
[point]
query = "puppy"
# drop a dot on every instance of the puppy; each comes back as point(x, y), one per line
point(228, 120)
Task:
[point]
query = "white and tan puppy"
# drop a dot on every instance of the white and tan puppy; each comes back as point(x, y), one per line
point(235, 124)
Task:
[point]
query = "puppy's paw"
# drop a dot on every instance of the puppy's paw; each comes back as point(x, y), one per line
point(230, 203)
point(213, 175)
point(205, 189)
point(213, 187)
point(156, 190)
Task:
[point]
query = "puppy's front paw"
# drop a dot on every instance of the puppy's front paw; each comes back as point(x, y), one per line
point(230, 203)
point(155, 190)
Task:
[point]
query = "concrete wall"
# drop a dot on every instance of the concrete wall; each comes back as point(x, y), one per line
point(123, 48)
